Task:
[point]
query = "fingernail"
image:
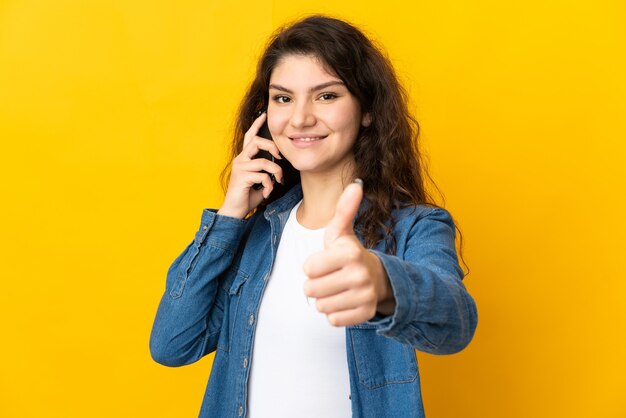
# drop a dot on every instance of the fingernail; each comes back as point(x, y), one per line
point(359, 181)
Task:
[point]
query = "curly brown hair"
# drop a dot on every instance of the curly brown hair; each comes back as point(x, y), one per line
point(386, 152)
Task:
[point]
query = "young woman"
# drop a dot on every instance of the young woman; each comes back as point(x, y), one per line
point(327, 267)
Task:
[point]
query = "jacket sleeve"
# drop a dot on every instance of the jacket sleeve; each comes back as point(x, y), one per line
point(434, 312)
point(189, 316)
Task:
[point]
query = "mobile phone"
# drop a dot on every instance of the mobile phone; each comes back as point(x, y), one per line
point(264, 132)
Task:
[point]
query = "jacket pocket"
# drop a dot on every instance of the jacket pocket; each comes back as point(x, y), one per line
point(240, 279)
point(233, 289)
point(381, 360)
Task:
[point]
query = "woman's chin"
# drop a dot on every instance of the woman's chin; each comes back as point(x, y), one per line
point(302, 166)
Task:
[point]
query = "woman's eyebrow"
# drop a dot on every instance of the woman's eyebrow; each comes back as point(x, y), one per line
point(312, 89)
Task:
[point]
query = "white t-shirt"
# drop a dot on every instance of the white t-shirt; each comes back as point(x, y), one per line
point(299, 365)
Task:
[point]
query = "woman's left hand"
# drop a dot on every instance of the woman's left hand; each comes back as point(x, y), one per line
point(349, 282)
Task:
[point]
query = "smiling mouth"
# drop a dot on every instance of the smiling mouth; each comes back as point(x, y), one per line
point(309, 139)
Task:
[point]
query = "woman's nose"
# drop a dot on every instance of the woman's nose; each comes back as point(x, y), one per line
point(302, 115)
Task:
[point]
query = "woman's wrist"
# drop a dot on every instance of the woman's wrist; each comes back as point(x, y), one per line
point(386, 304)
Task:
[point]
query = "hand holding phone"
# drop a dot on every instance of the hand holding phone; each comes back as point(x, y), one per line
point(249, 169)
point(290, 176)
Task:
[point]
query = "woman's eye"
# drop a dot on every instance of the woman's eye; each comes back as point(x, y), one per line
point(328, 96)
point(281, 99)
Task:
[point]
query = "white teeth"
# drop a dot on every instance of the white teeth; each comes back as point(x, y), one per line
point(308, 139)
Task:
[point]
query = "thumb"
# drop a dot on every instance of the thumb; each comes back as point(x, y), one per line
point(347, 207)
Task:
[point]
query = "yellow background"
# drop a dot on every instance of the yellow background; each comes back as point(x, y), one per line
point(114, 119)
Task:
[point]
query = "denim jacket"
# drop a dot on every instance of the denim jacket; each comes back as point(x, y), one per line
point(214, 288)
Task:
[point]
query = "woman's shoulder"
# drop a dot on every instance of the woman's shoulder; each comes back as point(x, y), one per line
point(413, 212)
point(422, 219)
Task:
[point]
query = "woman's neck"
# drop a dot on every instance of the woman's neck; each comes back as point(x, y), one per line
point(320, 195)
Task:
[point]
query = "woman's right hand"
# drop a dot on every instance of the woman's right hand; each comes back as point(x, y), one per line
point(246, 171)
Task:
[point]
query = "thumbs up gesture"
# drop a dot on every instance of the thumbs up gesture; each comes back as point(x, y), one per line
point(349, 282)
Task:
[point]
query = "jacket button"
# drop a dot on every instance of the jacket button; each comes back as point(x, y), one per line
point(240, 410)
point(251, 320)
point(205, 226)
point(245, 362)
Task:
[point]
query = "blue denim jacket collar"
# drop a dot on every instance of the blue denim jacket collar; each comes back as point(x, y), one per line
point(284, 204)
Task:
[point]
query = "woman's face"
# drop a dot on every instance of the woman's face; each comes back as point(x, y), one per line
point(312, 116)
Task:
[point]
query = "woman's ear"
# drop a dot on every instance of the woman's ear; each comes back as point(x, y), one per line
point(366, 120)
